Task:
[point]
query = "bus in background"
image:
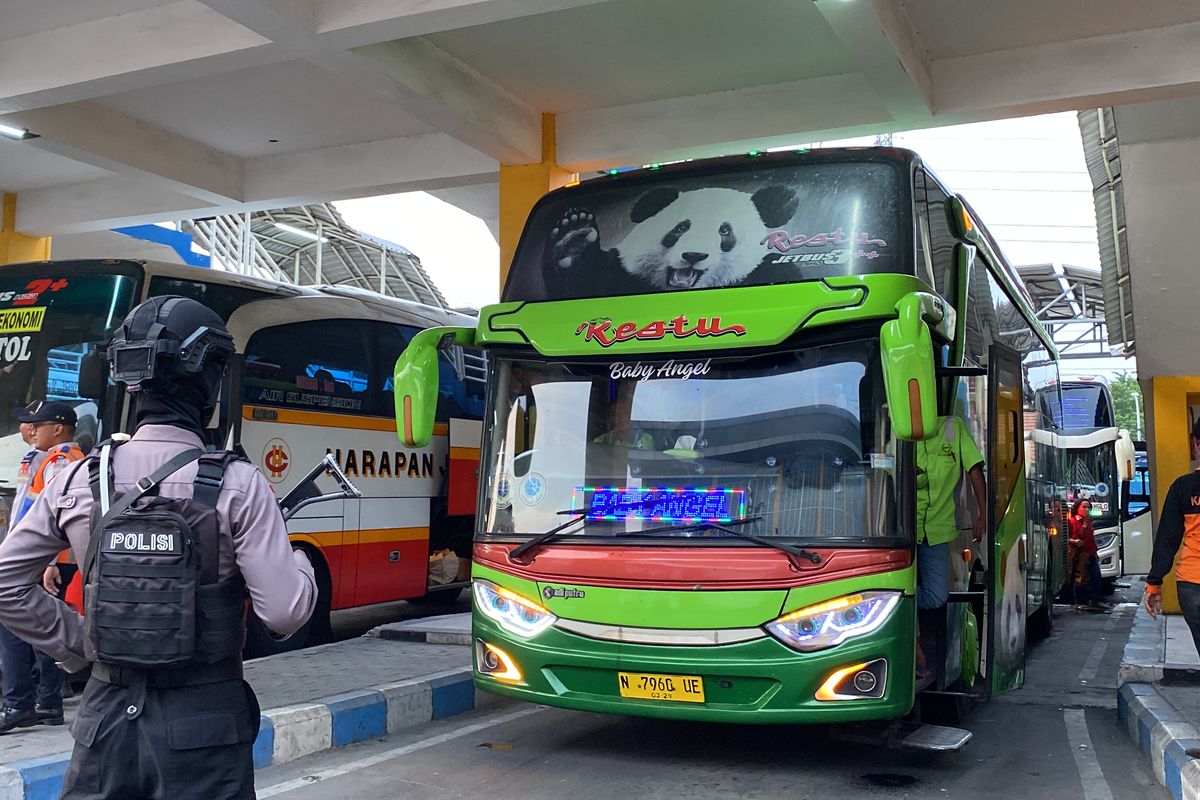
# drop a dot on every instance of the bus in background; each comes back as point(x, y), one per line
point(312, 374)
point(712, 384)
point(1099, 466)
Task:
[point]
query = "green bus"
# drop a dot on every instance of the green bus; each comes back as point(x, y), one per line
point(710, 384)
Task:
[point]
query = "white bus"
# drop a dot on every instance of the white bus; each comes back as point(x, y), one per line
point(312, 375)
point(1098, 466)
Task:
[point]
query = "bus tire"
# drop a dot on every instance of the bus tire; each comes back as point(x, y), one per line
point(261, 641)
point(445, 597)
point(1041, 624)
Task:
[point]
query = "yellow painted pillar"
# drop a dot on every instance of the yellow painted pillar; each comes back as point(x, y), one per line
point(1170, 423)
point(522, 185)
point(16, 247)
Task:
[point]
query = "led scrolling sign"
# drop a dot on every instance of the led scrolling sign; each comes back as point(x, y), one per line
point(667, 504)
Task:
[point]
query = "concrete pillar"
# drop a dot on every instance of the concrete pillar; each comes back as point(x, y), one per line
point(16, 247)
point(521, 185)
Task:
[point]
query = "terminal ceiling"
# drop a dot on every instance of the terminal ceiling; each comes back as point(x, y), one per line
point(148, 110)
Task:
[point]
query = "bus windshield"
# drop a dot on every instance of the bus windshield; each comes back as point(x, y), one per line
point(1091, 475)
point(47, 323)
point(753, 225)
point(793, 445)
point(1084, 405)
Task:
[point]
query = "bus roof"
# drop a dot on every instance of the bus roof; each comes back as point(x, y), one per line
point(364, 302)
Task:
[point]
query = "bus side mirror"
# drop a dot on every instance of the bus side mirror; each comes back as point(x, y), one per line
point(908, 371)
point(415, 382)
point(93, 375)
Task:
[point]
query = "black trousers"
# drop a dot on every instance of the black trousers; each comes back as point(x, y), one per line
point(1189, 604)
point(163, 744)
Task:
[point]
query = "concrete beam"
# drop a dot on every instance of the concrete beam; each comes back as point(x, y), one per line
point(446, 93)
point(414, 73)
point(354, 23)
point(888, 52)
point(149, 47)
point(406, 164)
point(103, 137)
point(102, 205)
point(1063, 76)
point(720, 122)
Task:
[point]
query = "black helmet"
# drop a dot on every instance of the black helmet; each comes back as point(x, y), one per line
point(165, 339)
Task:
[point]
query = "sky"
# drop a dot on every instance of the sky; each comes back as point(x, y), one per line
point(1025, 177)
point(457, 249)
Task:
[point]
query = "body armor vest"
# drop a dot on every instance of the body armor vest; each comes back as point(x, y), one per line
point(151, 594)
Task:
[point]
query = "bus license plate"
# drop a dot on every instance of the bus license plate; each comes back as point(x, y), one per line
point(647, 686)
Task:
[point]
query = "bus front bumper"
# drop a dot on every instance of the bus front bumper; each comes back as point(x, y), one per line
point(1110, 555)
point(760, 681)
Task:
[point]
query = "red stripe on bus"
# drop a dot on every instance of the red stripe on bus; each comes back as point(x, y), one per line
point(726, 568)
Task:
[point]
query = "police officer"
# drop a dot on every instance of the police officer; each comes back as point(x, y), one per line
point(166, 713)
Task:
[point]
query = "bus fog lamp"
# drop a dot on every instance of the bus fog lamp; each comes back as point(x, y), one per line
point(828, 624)
point(511, 611)
point(494, 662)
point(864, 681)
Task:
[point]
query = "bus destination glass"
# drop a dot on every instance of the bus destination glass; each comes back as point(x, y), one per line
point(47, 324)
point(755, 226)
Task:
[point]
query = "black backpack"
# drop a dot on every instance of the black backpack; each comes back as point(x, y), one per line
point(151, 594)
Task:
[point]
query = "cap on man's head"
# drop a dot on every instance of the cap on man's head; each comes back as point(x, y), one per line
point(53, 411)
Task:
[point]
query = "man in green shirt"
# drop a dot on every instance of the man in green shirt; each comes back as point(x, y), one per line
point(942, 462)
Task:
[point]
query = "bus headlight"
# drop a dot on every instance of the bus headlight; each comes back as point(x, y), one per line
point(828, 624)
point(1104, 540)
point(514, 613)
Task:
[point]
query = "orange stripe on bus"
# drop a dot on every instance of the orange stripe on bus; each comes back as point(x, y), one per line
point(327, 419)
point(372, 536)
point(465, 453)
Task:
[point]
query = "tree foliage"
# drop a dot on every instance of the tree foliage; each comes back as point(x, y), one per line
point(1127, 402)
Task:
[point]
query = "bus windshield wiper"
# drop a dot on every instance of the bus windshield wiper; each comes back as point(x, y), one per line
point(542, 538)
point(799, 552)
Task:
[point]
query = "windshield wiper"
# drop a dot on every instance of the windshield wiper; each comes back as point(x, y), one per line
point(542, 538)
point(799, 552)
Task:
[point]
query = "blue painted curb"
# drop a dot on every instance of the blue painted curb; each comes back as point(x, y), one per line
point(311, 727)
point(1163, 736)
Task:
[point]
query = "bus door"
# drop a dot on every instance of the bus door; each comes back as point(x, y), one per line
point(1008, 536)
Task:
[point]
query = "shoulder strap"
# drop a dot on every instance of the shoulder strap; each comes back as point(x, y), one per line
point(132, 496)
point(210, 473)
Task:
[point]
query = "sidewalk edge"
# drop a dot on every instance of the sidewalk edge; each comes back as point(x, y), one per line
point(291, 732)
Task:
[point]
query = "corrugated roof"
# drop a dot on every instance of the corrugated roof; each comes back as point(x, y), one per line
point(1102, 153)
point(312, 244)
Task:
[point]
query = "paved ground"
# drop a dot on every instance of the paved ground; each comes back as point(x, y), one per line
point(357, 621)
point(287, 679)
point(1056, 738)
point(346, 666)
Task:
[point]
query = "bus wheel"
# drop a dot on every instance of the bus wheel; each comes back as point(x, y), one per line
point(444, 597)
point(1041, 624)
point(262, 641)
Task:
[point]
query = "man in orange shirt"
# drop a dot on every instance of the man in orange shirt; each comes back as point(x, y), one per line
point(1179, 525)
point(32, 681)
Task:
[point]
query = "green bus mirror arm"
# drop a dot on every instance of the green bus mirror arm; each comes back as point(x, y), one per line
point(908, 369)
point(415, 381)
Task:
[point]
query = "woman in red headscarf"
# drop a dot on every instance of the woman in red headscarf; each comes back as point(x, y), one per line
point(1084, 558)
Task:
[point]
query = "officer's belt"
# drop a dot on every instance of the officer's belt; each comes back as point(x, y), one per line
point(193, 675)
